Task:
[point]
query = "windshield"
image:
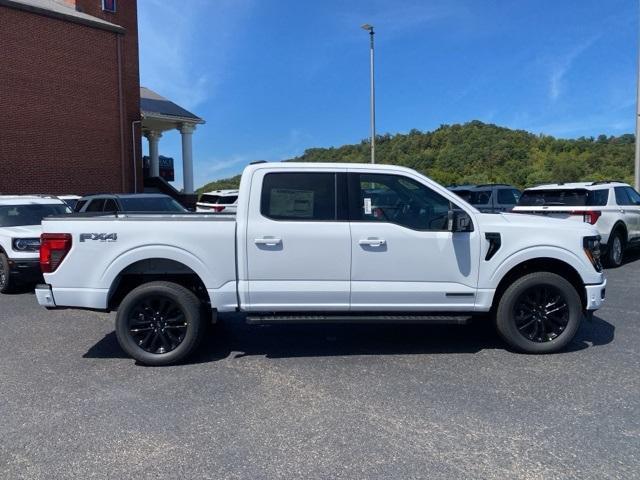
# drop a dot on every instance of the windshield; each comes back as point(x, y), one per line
point(30, 214)
point(577, 197)
point(151, 204)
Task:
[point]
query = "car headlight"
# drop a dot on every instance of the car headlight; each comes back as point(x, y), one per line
point(26, 244)
point(591, 247)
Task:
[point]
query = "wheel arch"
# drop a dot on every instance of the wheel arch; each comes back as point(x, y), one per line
point(541, 264)
point(620, 225)
point(153, 269)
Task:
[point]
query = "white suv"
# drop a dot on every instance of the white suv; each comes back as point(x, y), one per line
point(20, 219)
point(613, 207)
point(218, 201)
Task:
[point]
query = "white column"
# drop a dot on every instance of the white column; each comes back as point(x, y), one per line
point(186, 130)
point(154, 138)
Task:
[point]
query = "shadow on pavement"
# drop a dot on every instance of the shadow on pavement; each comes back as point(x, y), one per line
point(232, 338)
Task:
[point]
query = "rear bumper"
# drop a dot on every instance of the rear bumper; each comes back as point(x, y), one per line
point(25, 270)
point(595, 295)
point(45, 296)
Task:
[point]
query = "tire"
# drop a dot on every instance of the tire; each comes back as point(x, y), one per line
point(615, 249)
point(159, 323)
point(6, 284)
point(539, 328)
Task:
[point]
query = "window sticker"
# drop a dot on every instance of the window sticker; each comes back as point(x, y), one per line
point(287, 202)
point(367, 206)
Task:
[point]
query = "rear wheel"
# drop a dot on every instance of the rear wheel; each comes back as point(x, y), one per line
point(539, 313)
point(5, 277)
point(615, 253)
point(159, 323)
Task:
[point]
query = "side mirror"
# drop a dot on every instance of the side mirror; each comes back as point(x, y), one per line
point(459, 221)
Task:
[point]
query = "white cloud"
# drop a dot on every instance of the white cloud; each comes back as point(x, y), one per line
point(562, 65)
point(175, 60)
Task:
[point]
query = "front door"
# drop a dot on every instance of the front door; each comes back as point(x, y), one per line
point(298, 242)
point(403, 256)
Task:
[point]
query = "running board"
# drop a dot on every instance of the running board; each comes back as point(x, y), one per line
point(358, 318)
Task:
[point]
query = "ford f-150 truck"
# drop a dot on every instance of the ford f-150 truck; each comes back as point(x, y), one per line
point(325, 243)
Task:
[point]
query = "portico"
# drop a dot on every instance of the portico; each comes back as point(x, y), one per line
point(161, 115)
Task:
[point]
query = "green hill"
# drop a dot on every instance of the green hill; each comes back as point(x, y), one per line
point(477, 152)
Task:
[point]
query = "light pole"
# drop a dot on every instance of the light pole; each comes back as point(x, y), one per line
point(369, 28)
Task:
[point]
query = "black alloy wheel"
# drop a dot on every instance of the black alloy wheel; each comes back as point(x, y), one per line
point(541, 313)
point(157, 324)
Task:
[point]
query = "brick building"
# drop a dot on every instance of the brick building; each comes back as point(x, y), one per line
point(69, 96)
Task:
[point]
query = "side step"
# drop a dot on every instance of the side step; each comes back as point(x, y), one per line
point(358, 317)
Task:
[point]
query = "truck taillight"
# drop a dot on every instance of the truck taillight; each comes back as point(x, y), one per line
point(589, 216)
point(53, 248)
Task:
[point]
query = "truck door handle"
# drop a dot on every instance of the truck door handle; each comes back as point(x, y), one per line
point(270, 241)
point(372, 242)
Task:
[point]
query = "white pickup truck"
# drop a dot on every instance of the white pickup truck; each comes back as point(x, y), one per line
point(325, 243)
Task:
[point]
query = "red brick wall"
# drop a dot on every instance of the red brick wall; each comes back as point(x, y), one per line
point(60, 122)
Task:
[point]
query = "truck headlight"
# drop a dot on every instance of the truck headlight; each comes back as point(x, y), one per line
point(26, 244)
point(591, 247)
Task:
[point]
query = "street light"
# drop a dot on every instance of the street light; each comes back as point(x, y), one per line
point(369, 28)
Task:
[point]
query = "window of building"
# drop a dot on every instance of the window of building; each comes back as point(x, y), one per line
point(299, 196)
point(109, 6)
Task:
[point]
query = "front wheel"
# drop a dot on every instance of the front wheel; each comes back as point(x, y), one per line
point(159, 323)
point(5, 278)
point(539, 313)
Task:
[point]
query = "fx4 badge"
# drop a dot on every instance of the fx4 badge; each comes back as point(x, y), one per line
point(101, 237)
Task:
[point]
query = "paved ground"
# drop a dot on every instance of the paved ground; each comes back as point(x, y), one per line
point(320, 402)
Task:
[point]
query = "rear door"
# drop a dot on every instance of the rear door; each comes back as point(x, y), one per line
point(298, 241)
point(403, 256)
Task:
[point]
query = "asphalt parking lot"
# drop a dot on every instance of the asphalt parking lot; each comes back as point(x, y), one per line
point(321, 401)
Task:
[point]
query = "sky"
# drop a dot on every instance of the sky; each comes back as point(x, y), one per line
point(275, 77)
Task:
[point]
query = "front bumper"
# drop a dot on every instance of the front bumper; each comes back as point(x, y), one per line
point(25, 270)
point(45, 296)
point(595, 295)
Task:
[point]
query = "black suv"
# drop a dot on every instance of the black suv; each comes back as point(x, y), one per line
point(489, 198)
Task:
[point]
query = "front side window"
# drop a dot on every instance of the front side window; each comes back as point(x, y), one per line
point(299, 196)
point(621, 196)
point(397, 199)
point(110, 205)
point(633, 196)
point(96, 205)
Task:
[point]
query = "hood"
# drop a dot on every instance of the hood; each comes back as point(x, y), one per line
point(26, 231)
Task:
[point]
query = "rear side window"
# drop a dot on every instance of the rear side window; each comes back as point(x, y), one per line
point(79, 205)
point(96, 205)
point(576, 197)
point(209, 198)
point(110, 205)
point(508, 196)
point(228, 200)
point(299, 196)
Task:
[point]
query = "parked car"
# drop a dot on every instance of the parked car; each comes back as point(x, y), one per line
point(20, 229)
point(133, 202)
point(70, 200)
point(309, 244)
point(612, 207)
point(218, 201)
point(489, 198)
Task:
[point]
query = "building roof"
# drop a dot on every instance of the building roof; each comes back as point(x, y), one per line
point(60, 10)
point(153, 105)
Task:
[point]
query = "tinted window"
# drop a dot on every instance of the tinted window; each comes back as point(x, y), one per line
point(633, 196)
point(151, 204)
point(621, 196)
point(508, 196)
point(95, 205)
point(79, 205)
point(110, 205)
point(576, 197)
point(299, 196)
point(32, 214)
point(229, 200)
point(209, 198)
point(399, 200)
